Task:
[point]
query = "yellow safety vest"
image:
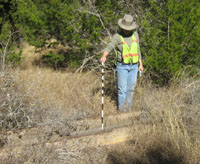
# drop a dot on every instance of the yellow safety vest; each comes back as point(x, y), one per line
point(130, 55)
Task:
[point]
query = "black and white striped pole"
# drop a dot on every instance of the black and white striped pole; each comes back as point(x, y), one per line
point(140, 73)
point(102, 91)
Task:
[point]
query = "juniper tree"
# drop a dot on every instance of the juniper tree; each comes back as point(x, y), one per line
point(170, 34)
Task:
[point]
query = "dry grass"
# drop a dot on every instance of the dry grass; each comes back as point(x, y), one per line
point(174, 114)
point(55, 96)
point(74, 96)
point(15, 109)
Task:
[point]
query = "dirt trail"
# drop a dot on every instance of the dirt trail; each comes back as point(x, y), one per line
point(86, 133)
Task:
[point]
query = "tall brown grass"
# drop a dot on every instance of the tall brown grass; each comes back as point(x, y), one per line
point(73, 96)
point(173, 138)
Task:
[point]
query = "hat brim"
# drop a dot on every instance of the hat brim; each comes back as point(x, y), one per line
point(129, 28)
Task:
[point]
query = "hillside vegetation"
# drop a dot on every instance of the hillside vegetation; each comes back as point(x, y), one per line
point(169, 32)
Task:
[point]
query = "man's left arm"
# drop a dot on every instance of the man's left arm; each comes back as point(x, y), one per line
point(139, 52)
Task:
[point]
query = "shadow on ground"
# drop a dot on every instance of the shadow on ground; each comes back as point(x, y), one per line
point(157, 155)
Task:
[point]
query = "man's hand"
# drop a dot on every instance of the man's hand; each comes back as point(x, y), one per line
point(141, 66)
point(103, 58)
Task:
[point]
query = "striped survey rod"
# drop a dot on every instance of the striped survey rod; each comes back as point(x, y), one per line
point(102, 90)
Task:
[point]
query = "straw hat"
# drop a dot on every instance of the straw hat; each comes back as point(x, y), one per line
point(127, 23)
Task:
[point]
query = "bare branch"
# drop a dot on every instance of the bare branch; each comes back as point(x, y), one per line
point(4, 52)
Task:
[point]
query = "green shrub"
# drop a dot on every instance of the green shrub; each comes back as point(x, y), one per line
point(53, 60)
point(170, 37)
point(15, 58)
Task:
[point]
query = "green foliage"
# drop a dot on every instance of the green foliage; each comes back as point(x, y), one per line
point(5, 33)
point(170, 30)
point(7, 48)
point(29, 22)
point(170, 37)
point(6, 9)
point(71, 23)
point(15, 57)
point(53, 60)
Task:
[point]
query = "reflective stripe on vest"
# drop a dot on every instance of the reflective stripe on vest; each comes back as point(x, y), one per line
point(130, 55)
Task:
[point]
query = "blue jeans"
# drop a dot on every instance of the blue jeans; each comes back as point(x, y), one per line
point(127, 78)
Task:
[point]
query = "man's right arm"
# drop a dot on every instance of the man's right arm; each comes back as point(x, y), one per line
point(109, 48)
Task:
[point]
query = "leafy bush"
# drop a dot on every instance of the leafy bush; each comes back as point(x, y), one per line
point(170, 37)
point(15, 58)
point(53, 60)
